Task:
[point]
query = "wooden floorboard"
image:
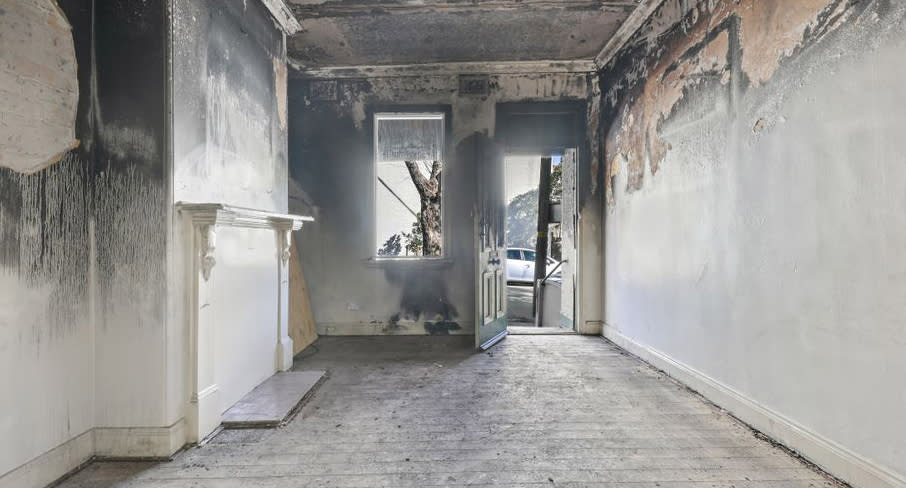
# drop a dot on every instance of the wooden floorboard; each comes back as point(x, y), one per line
point(564, 411)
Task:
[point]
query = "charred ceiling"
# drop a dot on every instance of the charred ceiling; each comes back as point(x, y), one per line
point(401, 32)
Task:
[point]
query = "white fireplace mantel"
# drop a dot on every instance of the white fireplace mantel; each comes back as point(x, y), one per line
point(201, 222)
point(207, 216)
point(222, 214)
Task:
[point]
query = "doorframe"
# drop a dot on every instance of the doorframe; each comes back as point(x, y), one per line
point(588, 301)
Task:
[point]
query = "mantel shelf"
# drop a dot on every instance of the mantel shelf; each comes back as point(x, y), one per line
point(228, 215)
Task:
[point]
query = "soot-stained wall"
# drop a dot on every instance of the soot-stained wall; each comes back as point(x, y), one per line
point(332, 176)
point(130, 189)
point(44, 289)
point(755, 221)
point(229, 102)
point(82, 249)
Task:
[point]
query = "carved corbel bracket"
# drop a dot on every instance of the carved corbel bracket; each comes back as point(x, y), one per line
point(206, 217)
point(284, 244)
point(208, 240)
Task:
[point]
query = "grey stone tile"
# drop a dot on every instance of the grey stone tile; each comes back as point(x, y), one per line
point(271, 402)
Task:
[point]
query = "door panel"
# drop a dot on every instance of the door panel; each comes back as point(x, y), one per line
point(490, 303)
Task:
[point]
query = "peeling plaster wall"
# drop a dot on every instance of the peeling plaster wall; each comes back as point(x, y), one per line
point(38, 85)
point(332, 174)
point(81, 254)
point(90, 302)
point(45, 324)
point(755, 226)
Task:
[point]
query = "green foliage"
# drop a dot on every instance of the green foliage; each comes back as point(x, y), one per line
point(392, 247)
point(522, 217)
point(414, 237)
point(522, 220)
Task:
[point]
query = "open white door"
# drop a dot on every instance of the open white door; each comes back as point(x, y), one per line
point(490, 252)
point(568, 225)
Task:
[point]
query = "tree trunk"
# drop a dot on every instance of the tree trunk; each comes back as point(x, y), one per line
point(429, 193)
point(544, 210)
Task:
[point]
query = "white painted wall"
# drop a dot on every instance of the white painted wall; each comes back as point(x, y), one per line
point(773, 262)
point(243, 306)
point(40, 407)
point(45, 326)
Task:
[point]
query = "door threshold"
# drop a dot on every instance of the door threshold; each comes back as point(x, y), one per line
point(527, 330)
point(494, 340)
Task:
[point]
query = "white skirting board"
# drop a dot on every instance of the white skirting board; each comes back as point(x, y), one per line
point(139, 442)
point(53, 464)
point(100, 442)
point(830, 456)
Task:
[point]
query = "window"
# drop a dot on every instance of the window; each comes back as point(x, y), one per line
point(529, 255)
point(513, 254)
point(409, 168)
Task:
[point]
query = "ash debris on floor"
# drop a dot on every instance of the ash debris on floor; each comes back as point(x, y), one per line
point(537, 410)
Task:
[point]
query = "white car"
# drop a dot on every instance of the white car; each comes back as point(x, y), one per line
point(520, 266)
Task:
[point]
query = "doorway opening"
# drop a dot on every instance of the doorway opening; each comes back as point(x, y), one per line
point(547, 303)
point(541, 131)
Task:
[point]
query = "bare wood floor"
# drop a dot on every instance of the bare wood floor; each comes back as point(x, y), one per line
point(534, 411)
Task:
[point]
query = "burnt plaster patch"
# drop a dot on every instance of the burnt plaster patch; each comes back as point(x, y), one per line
point(39, 94)
point(648, 81)
point(280, 90)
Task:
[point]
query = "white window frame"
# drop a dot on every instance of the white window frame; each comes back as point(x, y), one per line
point(378, 116)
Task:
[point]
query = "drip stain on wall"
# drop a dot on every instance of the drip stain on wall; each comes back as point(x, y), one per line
point(44, 266)
point(82, 241)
